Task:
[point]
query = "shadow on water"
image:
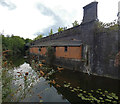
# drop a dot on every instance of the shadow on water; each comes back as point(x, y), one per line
point(84, 83)
point(88, 82)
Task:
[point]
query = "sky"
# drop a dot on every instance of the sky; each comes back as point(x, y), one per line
point(29, 18)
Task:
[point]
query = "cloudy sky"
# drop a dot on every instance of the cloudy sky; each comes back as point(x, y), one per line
point(27, 18)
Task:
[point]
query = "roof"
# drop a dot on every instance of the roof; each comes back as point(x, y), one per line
point(60, 43)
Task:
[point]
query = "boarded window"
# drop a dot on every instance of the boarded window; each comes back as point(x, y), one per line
point(54, 49)
point(66, 49)
point(39, 49)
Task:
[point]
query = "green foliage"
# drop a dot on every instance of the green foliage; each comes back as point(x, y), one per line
point(7, 71)
point(27, 40)
point(38, 37)
point(51, 32)
point(14, 43)
point(75, 23)
point(60, 29)
point(50, 55)
point(104, 27)
point(6, 82)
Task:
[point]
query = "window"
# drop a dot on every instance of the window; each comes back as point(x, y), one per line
point(54, 49)
point(65, 49)
point(39, 49)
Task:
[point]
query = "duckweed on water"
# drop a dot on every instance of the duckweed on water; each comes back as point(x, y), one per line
point(70, 87)
point(75, 89)
point(97, 91)
point(88, 96)
point(106, 91)
point(101, 93)
point(109, 97)
point(80, 95)
point(116, 97)
point(114, 102)
point(102, 101)
point(66, 85)
point(84, 91)
point(72, 90)
point(100, 98)
point(80, 90)
point(108, 100)
point(91, 90)
point(69, 83)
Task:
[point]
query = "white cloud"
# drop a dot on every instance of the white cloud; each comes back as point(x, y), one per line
point(26, 19)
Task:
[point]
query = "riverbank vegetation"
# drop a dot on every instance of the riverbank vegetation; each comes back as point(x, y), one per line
point(15, 84)
point(15, 44)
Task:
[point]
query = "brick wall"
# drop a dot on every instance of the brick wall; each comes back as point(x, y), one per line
point(72, 52)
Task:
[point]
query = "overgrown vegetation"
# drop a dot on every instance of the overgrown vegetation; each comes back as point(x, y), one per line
point(50, 55)
point(51, 32)
point(38, 37)
point(60, 29)
point(6, 77)
point(15, 44)
point(75, 23)
point(105, 27)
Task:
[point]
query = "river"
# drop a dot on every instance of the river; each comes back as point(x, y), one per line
point(69, 86)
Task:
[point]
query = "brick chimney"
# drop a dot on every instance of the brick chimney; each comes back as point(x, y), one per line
point(90, 12)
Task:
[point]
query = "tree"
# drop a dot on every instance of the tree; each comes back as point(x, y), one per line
point(38, 37)
point(14, 43)
point(27, 40)
point(75, 23)
point(60, 29)
point(111, 26)
point(51, 32)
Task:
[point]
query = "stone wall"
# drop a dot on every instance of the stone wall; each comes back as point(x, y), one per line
point(104, 53)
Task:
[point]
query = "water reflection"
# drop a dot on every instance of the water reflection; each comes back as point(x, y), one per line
point(19, 73)
point(43, 92)
point(35, 89)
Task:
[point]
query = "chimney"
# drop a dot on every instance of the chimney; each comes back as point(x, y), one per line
point(90, 12)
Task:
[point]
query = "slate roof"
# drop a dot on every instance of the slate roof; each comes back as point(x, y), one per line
point(60, 43)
